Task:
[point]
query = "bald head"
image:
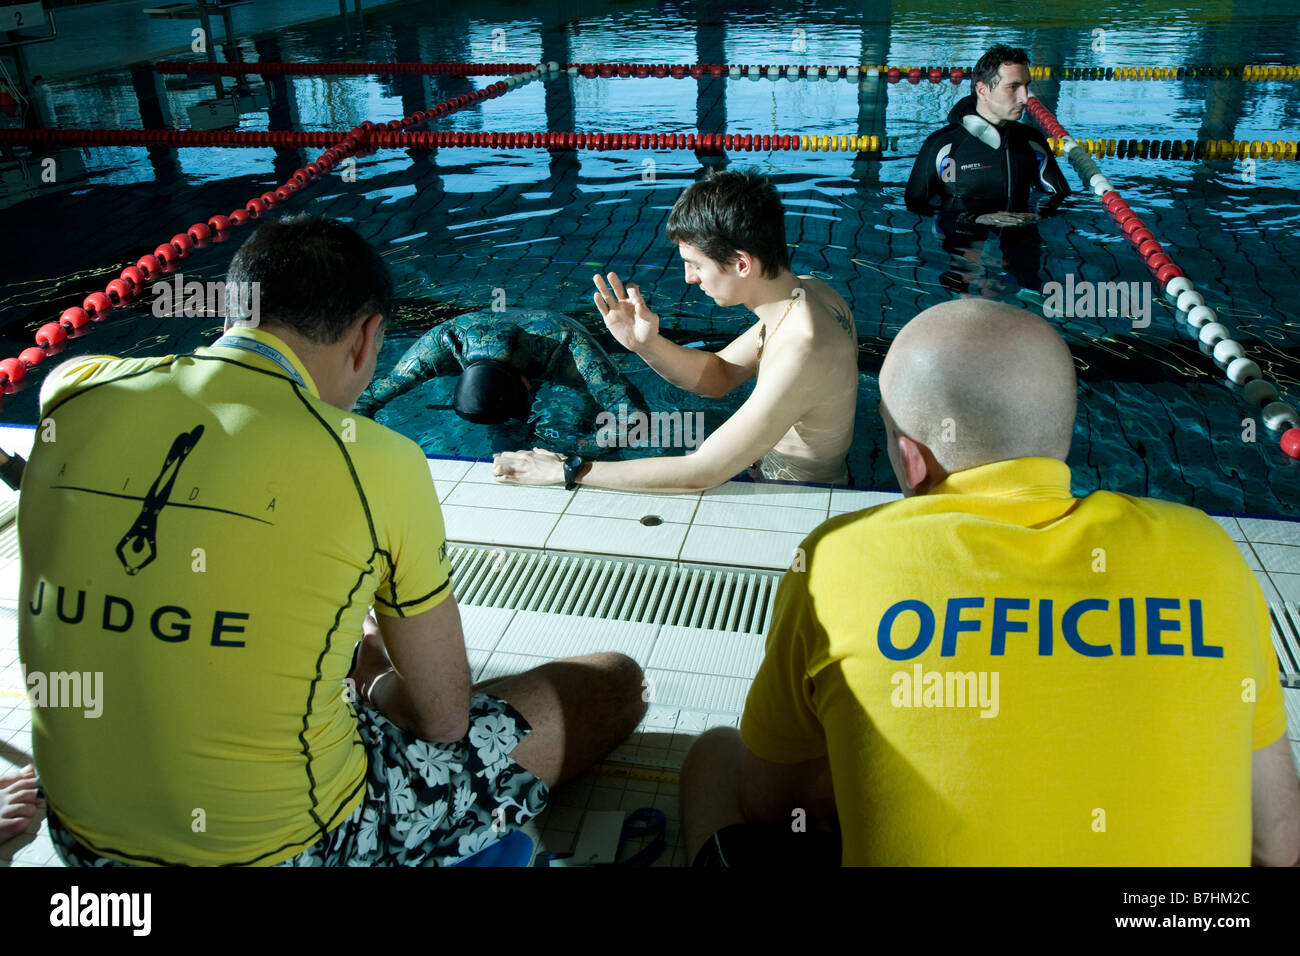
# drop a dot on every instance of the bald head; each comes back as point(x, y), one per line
point(976, 382)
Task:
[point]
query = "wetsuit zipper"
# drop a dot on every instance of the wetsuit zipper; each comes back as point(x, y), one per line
point(1008, 152)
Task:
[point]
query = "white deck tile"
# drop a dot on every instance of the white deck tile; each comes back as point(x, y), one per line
point(1267, 531)
point(1229, 524)
point(522, 529)
point(510, 498)
point(619, 536)
point(755, 492)
point(722, 653)
point(741, 546)
point(1288, 585)
point(759, 517)
point(564, 635)
point(1284, 558)
point(596, 503)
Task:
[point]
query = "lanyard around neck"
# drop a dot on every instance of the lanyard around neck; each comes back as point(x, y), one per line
point(262, 349)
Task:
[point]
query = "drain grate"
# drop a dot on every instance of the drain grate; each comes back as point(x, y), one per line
point(1286, 641)
point(642, 591)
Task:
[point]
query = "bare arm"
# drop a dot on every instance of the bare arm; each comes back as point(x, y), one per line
point(1275, 806)
point(427, 692)
point(780, 399)
point(710, 374)
point(636, 328)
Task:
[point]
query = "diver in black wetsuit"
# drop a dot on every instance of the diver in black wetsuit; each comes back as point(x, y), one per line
point(501, 358)
point(983, 166)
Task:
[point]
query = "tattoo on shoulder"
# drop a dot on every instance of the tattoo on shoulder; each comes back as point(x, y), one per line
point(843, 318)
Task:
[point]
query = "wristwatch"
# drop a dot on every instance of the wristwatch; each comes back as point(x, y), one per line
point(572, 465)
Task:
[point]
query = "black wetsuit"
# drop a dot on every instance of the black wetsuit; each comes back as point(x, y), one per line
point(972, 165)
point(539, 345)
point(973, 168)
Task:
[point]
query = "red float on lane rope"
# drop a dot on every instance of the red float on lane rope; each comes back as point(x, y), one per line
point(133, 275)
point(97, 305)
point(120, 291)
point(50, 334)
point(12, 370)
point(74, 317)
point(1291, 443)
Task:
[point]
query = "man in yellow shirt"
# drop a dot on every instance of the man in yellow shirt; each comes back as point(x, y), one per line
point(202, 536)
point(993, 672)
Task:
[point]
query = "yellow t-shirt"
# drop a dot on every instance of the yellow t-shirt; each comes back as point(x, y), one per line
point(205, 534)
point(1003, 674)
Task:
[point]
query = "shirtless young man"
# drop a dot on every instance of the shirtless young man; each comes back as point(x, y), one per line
point(730, 231)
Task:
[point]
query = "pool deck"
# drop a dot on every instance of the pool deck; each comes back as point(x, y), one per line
point(701, 678)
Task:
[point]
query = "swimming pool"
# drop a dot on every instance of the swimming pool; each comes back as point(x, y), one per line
point(1156, 415)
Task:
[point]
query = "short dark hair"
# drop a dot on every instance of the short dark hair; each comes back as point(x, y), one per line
point(729, 211)
point(986, 70)
point(316, 276)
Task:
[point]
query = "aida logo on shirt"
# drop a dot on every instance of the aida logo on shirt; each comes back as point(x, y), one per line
point(140, 543)
point(138, 548)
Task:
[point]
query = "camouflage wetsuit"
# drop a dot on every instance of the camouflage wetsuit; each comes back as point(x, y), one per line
point(541, 346)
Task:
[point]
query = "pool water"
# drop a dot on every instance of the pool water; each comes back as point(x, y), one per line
point(1156, 415)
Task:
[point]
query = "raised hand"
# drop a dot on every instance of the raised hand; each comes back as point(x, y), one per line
point(626, 315)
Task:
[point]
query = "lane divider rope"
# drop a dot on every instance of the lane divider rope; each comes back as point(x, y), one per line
point(130, 283)
point(397, 134)
point(1286, 150)
point(1245, 71)
point(273, 68)
point(1278, 416)
point(1185, 149)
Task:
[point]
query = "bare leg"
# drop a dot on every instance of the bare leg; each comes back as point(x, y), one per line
point(710, 787)
point(17, 802)
point(579, 708)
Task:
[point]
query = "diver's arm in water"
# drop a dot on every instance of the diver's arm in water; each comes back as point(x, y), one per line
point(1050, 179)
point(581, 364)
point(1049, 205)
point(636, 328)
point(432, 355)
point(924, 183)
point(789, 386)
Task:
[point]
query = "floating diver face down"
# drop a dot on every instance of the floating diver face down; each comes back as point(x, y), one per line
point(490, 393)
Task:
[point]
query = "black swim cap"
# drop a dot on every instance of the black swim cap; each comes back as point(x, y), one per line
point(490, 392)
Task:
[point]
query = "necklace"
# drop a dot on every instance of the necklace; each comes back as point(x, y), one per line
point(763, 337)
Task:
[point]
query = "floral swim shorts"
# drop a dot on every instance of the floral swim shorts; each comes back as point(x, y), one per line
point(426, 804)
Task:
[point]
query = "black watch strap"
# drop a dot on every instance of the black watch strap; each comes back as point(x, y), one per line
point(572, 465)
point(11, 472)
